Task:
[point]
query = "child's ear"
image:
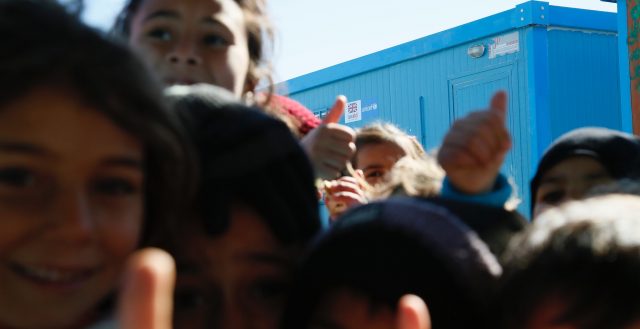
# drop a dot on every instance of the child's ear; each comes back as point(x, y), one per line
point(413, 313)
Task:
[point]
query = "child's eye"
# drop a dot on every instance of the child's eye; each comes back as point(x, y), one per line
point(553, 197)
point(215, 41)
point(160, 34)
point(17, 177)
point(375, 174)
point(115, 186)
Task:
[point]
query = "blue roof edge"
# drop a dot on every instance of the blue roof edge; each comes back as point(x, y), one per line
point(538, 13)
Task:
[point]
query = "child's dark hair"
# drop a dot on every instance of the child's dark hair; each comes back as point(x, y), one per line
point(45, 46)
point(250, 159)
point(585, 255)
point(616, 151)
point(382, 251)
point(260, 35)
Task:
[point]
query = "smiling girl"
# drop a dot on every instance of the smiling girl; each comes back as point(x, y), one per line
point(89, 161)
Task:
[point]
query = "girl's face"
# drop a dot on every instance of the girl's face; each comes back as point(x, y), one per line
point(71, 208)
point(193, 41)
point(570, 179)
point(236, 280)
point(376, 160)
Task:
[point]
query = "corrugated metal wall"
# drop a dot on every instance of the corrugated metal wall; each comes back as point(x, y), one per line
point(424, 95)
point(583, 80)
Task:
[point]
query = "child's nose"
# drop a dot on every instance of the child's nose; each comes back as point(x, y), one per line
point(72, 218)
point(185, 53)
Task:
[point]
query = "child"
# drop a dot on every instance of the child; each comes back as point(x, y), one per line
point(225, 43)
point(356, 274)
point(474, 149)
point(580, 160)
point(89, 165)
point(576, 267)
point(379, 147)
point(255, 213)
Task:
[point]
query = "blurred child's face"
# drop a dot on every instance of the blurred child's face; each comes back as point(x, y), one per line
point(71, 208)
point(547, 314)
point(235, 280)
point(347, 310)
point(193, 41)
point(376, 160)
point(570, 179)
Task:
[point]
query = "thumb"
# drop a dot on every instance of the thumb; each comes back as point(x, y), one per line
point(499, 103)
point(146, 300)
point(336, 111)
point(413, 313)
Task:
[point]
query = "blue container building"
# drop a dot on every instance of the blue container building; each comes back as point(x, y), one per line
point(559, 66)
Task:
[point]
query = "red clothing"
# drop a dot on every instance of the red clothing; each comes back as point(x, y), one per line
point(303, 118)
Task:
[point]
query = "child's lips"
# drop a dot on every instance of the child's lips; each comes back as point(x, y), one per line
point(180, 81)
point(53, 275)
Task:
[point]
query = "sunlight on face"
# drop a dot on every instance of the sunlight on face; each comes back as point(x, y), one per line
point(570, 179)
point(376, 160)
point(193, 41)
point(71, 204)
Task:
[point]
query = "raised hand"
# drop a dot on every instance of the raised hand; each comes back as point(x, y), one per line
point(330, 145)
point(413, 313)
point(146, 299)
point(343, 194)
point(475, 147)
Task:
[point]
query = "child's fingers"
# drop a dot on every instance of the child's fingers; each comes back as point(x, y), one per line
point(481, 128)
point(342, 152)
point(344, 186)
point(336, 132)
point(413, 313)
point(146, 300)
point(331, 168)
point(456, 156)
point(348, 198)
point(336, 111)
point(475, 141)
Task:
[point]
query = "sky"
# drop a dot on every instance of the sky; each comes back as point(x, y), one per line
point(313, 34)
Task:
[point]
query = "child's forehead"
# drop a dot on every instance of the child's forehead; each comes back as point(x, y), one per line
point(204, 8)
point(574, 166)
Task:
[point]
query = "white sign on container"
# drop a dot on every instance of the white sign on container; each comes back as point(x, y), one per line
point(505, 44)
point(353, 112)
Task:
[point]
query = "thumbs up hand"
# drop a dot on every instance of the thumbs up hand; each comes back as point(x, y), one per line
point(412, 313)
point(475, 147)
point(146, 299)
point(331, 145)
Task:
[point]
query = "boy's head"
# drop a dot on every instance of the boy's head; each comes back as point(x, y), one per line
point(576, 267)
point(256, 211)
point(579, 160)
point(382, 251)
